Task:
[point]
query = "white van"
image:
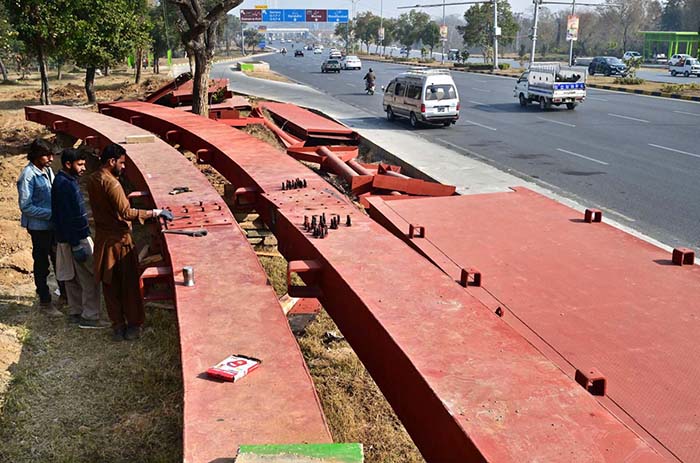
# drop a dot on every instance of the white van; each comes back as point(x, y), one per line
point(422, 95)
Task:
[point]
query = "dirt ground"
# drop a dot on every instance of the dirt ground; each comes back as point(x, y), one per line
point(72, 395)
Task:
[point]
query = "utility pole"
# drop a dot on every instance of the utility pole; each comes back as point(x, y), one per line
point(443, 40)
point(496, 33)
point(381, 24)
point(534, 31)
point(571, 42)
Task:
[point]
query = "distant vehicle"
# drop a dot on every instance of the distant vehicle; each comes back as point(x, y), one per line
point(330, 65)
point(635, 55)
point(317, 51)
point(676, 58)
point(309, 47)
point(351, 62)
point(298, 53)
point(283, 51)
point(582, 61)
point(422, 95)
point(688, 67)
point(551, 84)
point(607, 65)
point(659, 58)
point(335, 55)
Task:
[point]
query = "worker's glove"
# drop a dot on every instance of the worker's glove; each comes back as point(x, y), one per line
point(166, 214)
point(80, 254)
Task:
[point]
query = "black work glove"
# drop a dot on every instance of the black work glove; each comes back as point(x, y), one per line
point(167, 215)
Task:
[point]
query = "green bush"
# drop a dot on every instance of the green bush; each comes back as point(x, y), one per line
point(504, 66)
point(628, 80)
point(479, 66)
point(679, 88)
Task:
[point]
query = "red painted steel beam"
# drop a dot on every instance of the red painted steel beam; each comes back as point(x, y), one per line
point(307, 125)
point(464, 383)
point(590, 296)
point(231, 308)
point(169, 87)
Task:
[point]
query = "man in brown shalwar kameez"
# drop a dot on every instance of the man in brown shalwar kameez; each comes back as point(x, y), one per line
point(116, 262)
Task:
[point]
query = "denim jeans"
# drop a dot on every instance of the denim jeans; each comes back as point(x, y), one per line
point(43, 250)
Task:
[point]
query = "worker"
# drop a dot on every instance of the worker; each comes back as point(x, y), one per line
point(74, 263)
point(116, 263)
point(34, 193)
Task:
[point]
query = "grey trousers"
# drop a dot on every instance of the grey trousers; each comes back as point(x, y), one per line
point(83, 292)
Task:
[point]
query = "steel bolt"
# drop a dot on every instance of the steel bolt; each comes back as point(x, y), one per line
point(348, 222)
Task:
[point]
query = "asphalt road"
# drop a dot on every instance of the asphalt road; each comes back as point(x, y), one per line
point(636, 157)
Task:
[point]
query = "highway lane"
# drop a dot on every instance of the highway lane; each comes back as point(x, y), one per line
point(637, 157)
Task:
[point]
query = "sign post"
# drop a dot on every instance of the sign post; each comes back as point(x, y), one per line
point(572, 35)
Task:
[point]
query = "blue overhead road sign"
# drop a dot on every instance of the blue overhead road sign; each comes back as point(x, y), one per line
point(273, 16)
point(294, 15)
point(338, 16)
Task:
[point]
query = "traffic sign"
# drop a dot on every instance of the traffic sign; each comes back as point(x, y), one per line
point(251, 16)
point(294, 16)
point(273, 16)
point(262, 44)
point(338, 16)
point(316, 16)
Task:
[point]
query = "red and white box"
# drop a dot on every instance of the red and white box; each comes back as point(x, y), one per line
point(233, 367)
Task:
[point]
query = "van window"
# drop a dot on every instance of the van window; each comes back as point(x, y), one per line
point(400, 89)
point(390, 87)
point(413, 92)
point(440, 92)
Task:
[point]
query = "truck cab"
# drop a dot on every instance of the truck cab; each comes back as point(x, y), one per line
point(551, 84)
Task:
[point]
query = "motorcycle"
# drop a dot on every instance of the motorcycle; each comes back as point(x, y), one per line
point(284, 51)
point(369, 88)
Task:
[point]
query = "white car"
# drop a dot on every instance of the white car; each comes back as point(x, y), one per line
point(351, 62)
point(335, 55)
point(676, 58)
point(635, 55)
point(317, 51)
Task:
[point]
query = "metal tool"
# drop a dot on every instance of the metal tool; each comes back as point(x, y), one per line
point(188, 275)
point(180, 189)
point(195, 233)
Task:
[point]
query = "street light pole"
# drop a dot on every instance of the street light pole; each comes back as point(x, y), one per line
point(571, 42)
point(534, 31)
point(495, 35)
point(443, 40)
point(381, 23)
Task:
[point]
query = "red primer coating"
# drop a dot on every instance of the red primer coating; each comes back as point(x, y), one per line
point(465, 384)
point(231, 309)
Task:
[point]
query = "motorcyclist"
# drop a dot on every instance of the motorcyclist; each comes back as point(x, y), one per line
point(370, 78)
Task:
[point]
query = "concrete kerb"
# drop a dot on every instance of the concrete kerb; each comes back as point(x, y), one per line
point(674, 96)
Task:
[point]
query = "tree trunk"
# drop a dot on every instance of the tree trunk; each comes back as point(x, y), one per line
point(105, 70)
point(156, 64)
point(3, 70)
point(90, 84)
point(200, 103)
point(59, 71)
point(190, 57)
point(45, 97)
point(139, 61)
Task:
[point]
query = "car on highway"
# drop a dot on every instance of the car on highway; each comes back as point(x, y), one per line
point(317, 51)
point(335, 54)
point(687, 67)
point(330, 65)
point(607, 65)
point(678, 57)
point(422, 95)
point(310, 47)
point(298, 53)
point(351, 62)
point(635, 55)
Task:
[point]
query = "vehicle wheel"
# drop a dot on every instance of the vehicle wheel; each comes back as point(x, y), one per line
point(447, 124)
point(523, 101)
point(390, 114)
point(570, 105)
point(673, 73)
point(413, 120)
point(686, 74)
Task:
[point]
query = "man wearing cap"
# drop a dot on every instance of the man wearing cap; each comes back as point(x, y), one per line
point(116, 263)
point(34, 192)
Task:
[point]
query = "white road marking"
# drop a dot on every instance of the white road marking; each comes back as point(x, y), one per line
point(478, 103)
point(481, 90)
point(555, 122)
point(596, 98)
point(689, 114)
point(675, 150)
point(480, 125)
point(350, 85)
point(582, 156)
point(628, 117)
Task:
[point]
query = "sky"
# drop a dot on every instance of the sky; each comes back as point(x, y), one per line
point(389, 6)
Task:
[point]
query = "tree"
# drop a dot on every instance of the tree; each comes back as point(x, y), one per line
point(431, 36)
point(389, 25)
point(8, 41)
point(672, 16)
point(200, 41)
point(104, 33)
point(409, 28)
point(43, 27)
point(163, 20)
point(252, 37)
point(478, 32)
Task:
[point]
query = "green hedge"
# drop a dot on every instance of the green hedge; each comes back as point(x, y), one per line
point(504, 66)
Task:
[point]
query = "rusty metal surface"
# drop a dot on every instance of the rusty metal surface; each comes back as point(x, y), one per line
point(309, 126)
point(231, 309)
point(464, 383)
point(591, 297)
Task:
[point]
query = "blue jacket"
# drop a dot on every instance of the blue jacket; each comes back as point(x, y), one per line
point(69, 216)
point(34, 191)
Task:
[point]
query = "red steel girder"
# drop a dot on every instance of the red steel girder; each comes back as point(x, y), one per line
point(231, 309)
point(597, 301)
point(309, 126)
point(169, 88)
point(465, 384)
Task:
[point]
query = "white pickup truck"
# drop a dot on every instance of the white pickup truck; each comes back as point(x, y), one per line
point(551, 84)
point(687, 67)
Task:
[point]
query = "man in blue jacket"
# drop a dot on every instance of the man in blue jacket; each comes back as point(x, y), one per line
point(34, 191)
point(74, 263)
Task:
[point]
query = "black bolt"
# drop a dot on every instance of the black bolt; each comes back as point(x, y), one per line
point(348, 222)
point(304, 183)
point(283, 188)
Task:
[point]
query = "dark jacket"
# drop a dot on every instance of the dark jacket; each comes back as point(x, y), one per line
point(68, 210)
